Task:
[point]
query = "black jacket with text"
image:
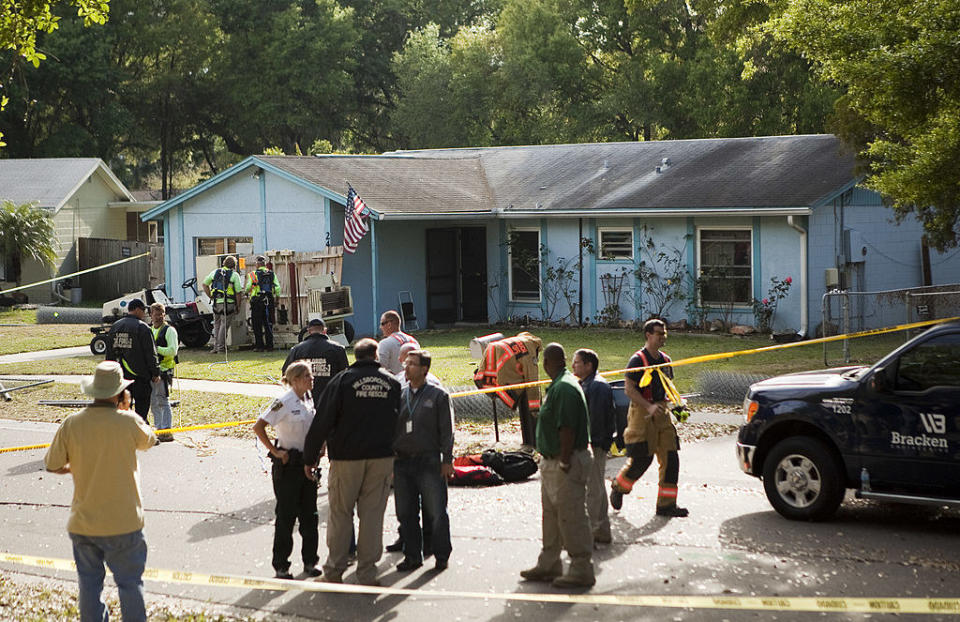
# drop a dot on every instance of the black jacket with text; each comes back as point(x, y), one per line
point(358, 415)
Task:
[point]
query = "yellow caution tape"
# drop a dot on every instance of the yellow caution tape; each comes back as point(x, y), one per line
point(186, 428)
point(67, 276)
point(673, 394)
point(722, 355)
point(939, 606)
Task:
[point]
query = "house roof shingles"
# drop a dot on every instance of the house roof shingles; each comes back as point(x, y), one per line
point(775, 171)
point(398, 185)
point(48, 182)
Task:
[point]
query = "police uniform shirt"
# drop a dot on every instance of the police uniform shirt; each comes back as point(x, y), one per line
point(290, 418)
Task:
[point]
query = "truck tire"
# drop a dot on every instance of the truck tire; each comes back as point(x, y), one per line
point(98, 345)
point(803, 480)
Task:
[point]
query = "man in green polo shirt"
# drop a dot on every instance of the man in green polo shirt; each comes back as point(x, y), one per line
point(563, 437)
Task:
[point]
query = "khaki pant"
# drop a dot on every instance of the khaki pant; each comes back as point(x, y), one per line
point(597, 501)
point(565, 522)
point(364, 484)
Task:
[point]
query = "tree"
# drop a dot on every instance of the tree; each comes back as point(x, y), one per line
point(21, 20)
point(284, 76)
point(898, 61)
point(25, 233)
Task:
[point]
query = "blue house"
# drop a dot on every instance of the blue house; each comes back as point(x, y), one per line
point(557, 231)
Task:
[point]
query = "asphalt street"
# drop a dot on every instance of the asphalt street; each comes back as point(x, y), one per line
point(209, 508)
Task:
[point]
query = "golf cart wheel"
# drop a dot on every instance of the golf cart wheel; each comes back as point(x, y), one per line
point(98, 345)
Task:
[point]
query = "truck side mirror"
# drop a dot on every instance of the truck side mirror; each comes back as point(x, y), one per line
point(880, 382)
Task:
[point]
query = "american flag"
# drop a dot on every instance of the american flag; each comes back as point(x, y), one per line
point(355, 224)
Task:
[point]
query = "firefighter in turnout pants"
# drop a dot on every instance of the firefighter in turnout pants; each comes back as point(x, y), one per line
point(650, 430)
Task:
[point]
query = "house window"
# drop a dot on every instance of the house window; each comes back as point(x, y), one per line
point(524, 245)
point(725, 266)
point(616, 243)
point(222, 246)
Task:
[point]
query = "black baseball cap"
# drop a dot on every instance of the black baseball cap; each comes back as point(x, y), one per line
point(135, 304)
point(317, 322)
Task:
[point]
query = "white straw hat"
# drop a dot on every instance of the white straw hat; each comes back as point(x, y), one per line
point(107, 381)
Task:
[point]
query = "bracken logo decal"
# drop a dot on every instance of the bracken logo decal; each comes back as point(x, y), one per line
point(933, 423)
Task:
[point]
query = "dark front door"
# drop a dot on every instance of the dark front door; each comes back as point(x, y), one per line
point(442, 272)
point(473, 274)
point(457, 275)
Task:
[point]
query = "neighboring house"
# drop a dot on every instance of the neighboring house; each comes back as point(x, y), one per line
point(85, 199)
point(477, 234)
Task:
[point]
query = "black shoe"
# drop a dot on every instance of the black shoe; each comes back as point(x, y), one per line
point(440, 565)
point(427, 553)
point(407, 565)
point(616, 497)
point(283, 574)
point(396, 547)
point(674, 511)
point(312, 571)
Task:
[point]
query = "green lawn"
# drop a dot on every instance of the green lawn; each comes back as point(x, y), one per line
point(453, 364)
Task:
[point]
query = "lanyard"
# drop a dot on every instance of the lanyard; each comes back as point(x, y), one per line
point(416, 400)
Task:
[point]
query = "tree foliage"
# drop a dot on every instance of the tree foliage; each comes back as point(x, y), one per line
point(21, 20)
point(169, 90)
point(899, 63)
point(25, 232)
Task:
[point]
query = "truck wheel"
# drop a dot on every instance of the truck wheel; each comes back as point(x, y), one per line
point(98, 345)
point(803, 480)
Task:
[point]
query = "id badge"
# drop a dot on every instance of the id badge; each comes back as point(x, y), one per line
point(409, 426)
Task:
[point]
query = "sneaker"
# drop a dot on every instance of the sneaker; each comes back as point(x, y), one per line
point(568, 581)
point(616, 497)
point(440, 565)
point(283, 574)
point(332, 578)
point(374, 582)
point(312, 571)
point(602, 538)
point(396, 547)
point(674, 511)
point(540, 574)
point(165, 438)
point(408, 565)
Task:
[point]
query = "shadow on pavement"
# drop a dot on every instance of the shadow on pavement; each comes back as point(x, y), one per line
point(27, 467)
point(237, 521)
point(861, 531)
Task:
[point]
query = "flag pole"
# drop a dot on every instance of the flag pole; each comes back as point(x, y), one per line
point(375, 271)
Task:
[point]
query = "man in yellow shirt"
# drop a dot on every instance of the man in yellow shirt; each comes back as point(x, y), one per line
point(98, 446)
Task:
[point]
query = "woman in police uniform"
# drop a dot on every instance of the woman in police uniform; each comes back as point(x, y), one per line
point(290, 415)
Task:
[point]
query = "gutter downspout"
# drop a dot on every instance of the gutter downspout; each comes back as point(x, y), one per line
point(804, 311)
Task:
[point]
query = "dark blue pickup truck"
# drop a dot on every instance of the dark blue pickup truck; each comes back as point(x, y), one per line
point(890, 431)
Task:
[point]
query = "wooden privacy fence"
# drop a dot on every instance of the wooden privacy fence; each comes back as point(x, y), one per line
point(292, 268)
point(129, 277)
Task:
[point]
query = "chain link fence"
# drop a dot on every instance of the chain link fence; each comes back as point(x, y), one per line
point(846, 312)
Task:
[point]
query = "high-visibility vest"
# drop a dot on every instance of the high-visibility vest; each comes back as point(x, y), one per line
point(511, 361)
